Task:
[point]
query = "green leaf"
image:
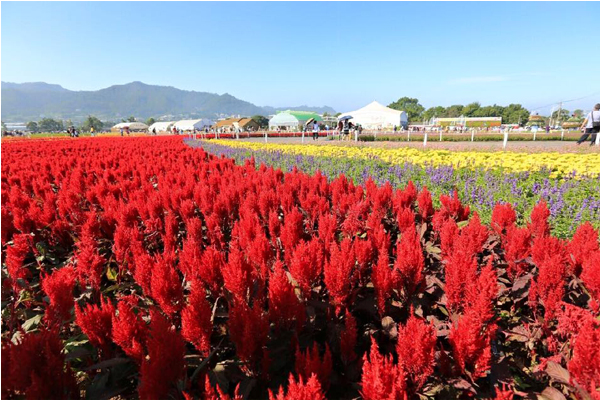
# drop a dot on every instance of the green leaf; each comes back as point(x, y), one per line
point(32, 323)
point(111, 274)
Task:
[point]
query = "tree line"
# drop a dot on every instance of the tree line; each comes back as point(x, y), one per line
point(52, 125)
point(511, 114)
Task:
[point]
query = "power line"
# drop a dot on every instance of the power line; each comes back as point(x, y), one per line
point(566, 101)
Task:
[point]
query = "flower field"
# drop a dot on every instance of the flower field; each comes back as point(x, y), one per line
point(558, 164)
point(146, 268)
point(572, 199)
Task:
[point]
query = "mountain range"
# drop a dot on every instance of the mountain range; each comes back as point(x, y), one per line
point(23, 102)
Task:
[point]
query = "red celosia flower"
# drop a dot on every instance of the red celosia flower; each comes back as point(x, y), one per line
point(166, 285)
point(381, 378)
point(306, 264)
point(481, 294)
point(209, 270)
point(406, 219)
point(451, 208)
point(539, 220)
point(461, 273)
point(90, 264)
point(409, 261)
point(348, 338)
point(165, 362)
point(284, 305)
point(471, 344)
point(15, 255)
point(366, 254)
point(425, 204)
point(504, 393)
point(309, 362)
point(35, 367)
point(415, 348)
point(211, 394)
point(503, 217)
point(572, 319)
point(383, 280)
point(292, 230)
point(517, 247)
point(591, 277)
point(196, 324)
point(549, 254)
point(449, 233)
point(585, 363)
point(237, 275)
point(338, 273)
point(404, 198)
point(96, 322)
point(583, 244)
point(129, 331)
point(59, 287)
point(311, 390)
point(248, 329)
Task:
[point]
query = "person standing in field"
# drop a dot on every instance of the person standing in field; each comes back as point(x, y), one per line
point(92, 131)
point(315, 130)
point(591, 125)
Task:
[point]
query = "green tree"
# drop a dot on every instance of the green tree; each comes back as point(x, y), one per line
point(337, 114)
point(470, 109)
point(32, 126)
point(563, 116)
point(433, 112)
point(4, 127)
point(411, 106)
point(50, 125)
point(150, 121)
point(454, 111)
point(130, 119)
point(263, 122)
point(326, 114)
point(92, 122)
point(515, 114)
point(578, 113)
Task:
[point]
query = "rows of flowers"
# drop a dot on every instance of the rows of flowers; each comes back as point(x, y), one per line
point(142, 267)
point(572, 200)
point(557, 164)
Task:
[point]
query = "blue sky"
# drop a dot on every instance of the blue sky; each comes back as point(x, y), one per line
point(340, 54)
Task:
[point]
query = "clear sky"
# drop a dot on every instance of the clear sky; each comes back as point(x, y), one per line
point(340, 54)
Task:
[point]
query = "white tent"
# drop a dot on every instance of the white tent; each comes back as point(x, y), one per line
point(133, 126)
point(161, 127)
point(191, 124)
point(378, 116)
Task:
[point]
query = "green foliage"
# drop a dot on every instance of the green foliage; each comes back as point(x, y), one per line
point(511, 114)
point(50, 125)
point(90, 122)
point(150, 121)
point(3, 126)
point(32, 126)
point(130, 119)
point(409, 105)
point(262, 121)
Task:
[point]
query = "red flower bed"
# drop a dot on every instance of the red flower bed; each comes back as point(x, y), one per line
point(142, 267)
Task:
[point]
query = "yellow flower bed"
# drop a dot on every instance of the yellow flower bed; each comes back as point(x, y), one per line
point(559, 163)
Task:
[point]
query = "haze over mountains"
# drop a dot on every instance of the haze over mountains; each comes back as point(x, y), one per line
point(22, 102)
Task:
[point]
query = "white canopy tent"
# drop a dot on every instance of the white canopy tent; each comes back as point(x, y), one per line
point(378, 116)
point(188, 125)
point(161, 127)
point(133, 126)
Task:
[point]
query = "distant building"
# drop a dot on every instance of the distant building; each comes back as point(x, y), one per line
point(292, 120)
point(16, 126)
point(237, 124)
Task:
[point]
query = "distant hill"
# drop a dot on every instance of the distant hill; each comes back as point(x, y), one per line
point(33, 101)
